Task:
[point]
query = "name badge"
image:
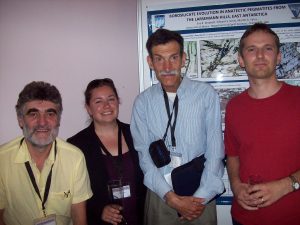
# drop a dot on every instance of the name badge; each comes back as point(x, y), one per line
point(126, 190)
point(168, 178)
point(121, 192)
point(48, 220)
point(176, 159)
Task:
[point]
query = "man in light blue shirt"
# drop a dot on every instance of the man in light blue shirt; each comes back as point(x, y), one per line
point(195, 129)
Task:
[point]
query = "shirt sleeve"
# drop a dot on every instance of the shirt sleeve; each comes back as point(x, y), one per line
point(82, 189)
point(211, 181)
point(153, 177)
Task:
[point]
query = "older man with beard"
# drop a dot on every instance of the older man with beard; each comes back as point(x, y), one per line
point(43, 180)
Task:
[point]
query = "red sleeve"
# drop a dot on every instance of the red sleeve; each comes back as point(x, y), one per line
point(230, 141)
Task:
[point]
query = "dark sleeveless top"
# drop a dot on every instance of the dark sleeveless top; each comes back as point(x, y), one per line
point(88, 142)
point(130, 203)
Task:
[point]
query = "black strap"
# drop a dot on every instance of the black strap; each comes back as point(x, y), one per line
point(174, 108)
point(48, 182)
point(118, 162)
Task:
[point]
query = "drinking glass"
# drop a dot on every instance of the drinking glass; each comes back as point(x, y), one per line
point(116, 195)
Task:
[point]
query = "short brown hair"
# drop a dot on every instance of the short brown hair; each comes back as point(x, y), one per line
point(258, 27)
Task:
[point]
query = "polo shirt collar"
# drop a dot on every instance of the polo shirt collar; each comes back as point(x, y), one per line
point(23, 155)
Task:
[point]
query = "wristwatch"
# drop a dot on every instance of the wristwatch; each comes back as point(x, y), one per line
point(295, 183)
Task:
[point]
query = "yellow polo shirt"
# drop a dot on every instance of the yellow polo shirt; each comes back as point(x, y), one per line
point(70, 183)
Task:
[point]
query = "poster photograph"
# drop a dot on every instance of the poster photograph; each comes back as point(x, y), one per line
point(226, 91)
point(219, 59)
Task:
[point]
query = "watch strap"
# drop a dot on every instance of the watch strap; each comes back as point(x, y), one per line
point(295, 183)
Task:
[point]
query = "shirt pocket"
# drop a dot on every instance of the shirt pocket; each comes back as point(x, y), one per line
point(60, 203)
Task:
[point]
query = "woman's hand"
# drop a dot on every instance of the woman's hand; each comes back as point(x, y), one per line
point(112, 214)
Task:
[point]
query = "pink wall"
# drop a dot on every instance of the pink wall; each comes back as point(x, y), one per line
point(67, 43)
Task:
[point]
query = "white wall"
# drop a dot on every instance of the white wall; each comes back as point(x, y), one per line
point(67, 43)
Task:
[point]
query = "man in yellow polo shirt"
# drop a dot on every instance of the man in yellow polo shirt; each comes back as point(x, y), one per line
point(43, 179)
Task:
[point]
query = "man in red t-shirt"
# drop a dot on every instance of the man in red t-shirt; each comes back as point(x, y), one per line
point(262, 137)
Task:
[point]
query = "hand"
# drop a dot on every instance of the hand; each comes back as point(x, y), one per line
point(189, 207)
point(270, 192)
point(242, 193)
point(112, 214)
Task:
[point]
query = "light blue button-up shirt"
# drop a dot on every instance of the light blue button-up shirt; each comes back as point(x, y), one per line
point(198, 131)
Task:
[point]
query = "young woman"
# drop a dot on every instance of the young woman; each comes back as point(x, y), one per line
point(110, 156)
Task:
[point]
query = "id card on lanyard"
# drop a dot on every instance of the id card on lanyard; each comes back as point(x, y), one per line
point(50, 219)
point(176, 157)
point(125, 189)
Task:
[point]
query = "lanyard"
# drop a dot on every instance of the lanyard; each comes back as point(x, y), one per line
point(118, 162)
point(48, 182)
point(175, 109)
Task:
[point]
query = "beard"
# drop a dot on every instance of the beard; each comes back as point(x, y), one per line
point(40, 143)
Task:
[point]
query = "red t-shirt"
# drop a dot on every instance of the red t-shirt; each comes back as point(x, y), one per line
point(265, 134)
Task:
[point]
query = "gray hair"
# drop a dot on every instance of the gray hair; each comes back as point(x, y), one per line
point(39, 90)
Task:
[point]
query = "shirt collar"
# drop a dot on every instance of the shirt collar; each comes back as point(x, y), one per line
point(24, 156)
point(183, 87)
